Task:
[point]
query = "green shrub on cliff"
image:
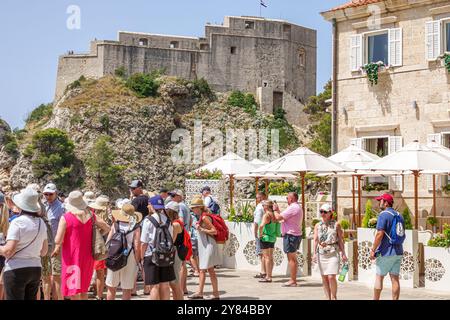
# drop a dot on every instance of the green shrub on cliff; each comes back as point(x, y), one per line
point(11, 145)
point(100, 165)
point(44, 111)
point(244, 101)
point(144, 84)
point(53, 156)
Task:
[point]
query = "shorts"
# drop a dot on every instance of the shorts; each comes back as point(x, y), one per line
point(100, 265)
point(291, 243)
point(258, 246)
point(51, 266)
point(56, 265)
point(156, 275)
point(388, 264)
point(194, 248)
point(124, 277)
point(2, 262)
point(267, 245)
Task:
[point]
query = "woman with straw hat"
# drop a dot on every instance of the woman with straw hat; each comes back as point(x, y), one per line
point(26, 243)
point(126, 221)
point(100, 208)
point(74, 240)
point(207, 250)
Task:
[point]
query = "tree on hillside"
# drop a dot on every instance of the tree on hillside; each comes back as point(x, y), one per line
point(100, 165)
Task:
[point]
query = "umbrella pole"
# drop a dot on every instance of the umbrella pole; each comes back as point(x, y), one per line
point(359, 200)
point(434, 195)
point(266, 186)
point(231, 190)
point(302, 176)
point(416, 199)
point(353, 202)
point(256, 188)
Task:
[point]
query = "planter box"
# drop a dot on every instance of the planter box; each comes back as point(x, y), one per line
point(437, 268)
point(240, 252)
point(409, 273)
point(349, 245)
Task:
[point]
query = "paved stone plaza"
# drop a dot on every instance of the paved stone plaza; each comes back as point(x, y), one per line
point(241, 285)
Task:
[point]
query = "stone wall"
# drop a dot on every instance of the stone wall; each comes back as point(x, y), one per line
point(387, 108)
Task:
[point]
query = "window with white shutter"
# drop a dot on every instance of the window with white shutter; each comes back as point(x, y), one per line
point(357, 142)
point(395, 47)
point(432, 39)
point(355, 52)
point(395, 144)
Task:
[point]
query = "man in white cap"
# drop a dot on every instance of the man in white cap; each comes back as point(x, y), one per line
point(54, 210)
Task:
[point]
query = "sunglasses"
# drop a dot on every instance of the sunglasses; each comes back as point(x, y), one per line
point(48, 194)
point(323, 211)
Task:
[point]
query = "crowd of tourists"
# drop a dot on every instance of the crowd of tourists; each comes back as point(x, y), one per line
point(54, 247)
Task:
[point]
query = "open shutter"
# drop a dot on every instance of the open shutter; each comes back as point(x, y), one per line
point(436, 137)
point(395, 144)
point(433, 39)
point(357, 142)
point(395, 47)
point(355, 52)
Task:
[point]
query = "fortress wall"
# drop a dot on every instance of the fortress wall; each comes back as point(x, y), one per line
point(158, 41)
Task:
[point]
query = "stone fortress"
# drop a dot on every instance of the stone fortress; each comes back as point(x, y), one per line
point(273, 59)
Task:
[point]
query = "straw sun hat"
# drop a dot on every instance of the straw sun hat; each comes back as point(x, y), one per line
point(101, 203)
point(76, 203)
point(128, 211)
point(197, 202)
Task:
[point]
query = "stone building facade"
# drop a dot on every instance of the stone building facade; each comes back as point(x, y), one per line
point(271, 58)
point(410, 101)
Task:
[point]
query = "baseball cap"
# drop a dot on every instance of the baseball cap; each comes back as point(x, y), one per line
point(136, 184)
point(386, 197)
point(176, 192)
point(50, 188)
point(326, 207)
point(205, 188)
point(157, 202)
point(163, 190)
point(172, 205)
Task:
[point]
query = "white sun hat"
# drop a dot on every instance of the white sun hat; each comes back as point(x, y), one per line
point(75, 202)
point(27, 200)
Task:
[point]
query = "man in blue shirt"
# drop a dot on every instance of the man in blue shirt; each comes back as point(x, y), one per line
point(388, 256)
point(54, 210)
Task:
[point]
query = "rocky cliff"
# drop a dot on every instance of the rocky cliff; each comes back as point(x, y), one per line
point(140, 130)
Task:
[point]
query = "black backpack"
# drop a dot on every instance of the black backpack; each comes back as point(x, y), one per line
point(164, 250)
point(118, 249)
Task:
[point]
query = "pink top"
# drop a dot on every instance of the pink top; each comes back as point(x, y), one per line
point(293, 219)
point(77, 260)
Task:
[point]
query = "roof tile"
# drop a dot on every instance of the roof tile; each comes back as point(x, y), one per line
point(355, 3)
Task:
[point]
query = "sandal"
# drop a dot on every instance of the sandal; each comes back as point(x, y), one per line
point(212, 298)
point(265, 280)
point(260, 276)
point(291, 285)
point(195, 296)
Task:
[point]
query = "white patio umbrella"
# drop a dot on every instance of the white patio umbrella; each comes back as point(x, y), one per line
point(444, 151)
point(355, 158)
point(416, 159)
point(230, 164)
point(301, 162)
point(258, 163)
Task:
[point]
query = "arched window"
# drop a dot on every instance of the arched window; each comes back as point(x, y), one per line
point(143, 42)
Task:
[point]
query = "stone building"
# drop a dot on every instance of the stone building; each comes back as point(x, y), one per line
point(410, 101)
point(273, 59)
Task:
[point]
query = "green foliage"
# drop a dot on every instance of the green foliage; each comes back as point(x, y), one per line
point(407, 217)
point(76, 84)
point(314, 222)
point(441, 240)
point(121, 72)
point(372, 223)
point(101, 167)
point(446, 189)
point(322, 140)
point(104, 120)
point(287, 136)
point(144, 84)
point(242, 213)
point(317, 104)
point(345, 224)
point(202, 89)
point(11, 145)
point(378, 186)
point(53, 156)
point(42, 112)
point(446, 58)
point(279, 114)
point(205, 175)
point(281, 188)
point(432, 221)
point(369, 214)
point(244, 101)
point(371, 70)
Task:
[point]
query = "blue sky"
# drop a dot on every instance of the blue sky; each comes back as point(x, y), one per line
point(34, 34)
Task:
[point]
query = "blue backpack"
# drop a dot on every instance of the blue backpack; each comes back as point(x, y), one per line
point(213, 206)
point(397, 233)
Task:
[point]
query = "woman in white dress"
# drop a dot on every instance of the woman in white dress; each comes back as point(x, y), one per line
point(328, 241)
point(208, 251)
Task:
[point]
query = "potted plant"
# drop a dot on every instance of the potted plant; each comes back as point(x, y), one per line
point(432, 221)
point(437, 261)
point(372, 70)
point(445, 60)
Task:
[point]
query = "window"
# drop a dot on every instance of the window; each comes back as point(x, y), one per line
point(286, 28)
point(378, 48)
point(447, 36)
point(380, 147)
point(143, 42)
point(174, 44)
point(233, 50)
point(249, 25)
point(204, 46)
point(302, 57)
